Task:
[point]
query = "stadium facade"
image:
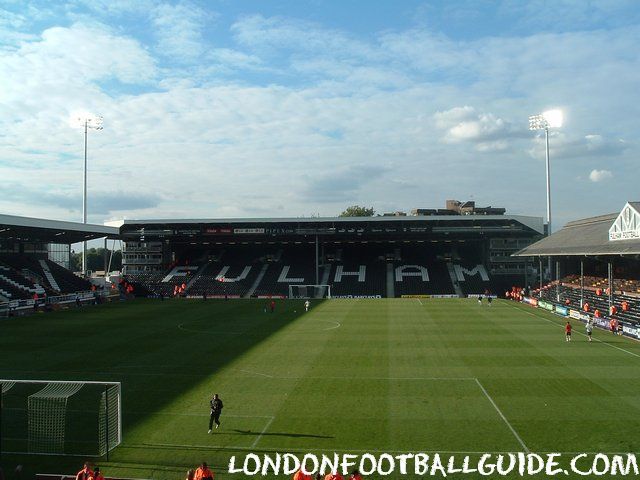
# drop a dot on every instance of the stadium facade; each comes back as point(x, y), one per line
point(441, 253)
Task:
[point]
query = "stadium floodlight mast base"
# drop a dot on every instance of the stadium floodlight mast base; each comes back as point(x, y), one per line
point(545, 121)
point(94, 122)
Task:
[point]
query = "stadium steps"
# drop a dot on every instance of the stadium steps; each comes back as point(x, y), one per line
point(326, 274)
point(49, 276)
point(454, 280)
point(259, 278)
point(197, 275)
point(391, 284)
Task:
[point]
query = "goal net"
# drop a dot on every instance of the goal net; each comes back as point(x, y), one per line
point(309, 291)
point(60, 417)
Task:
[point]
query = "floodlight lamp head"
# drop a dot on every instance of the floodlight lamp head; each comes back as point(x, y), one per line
point(546, 120)
point(553, 118)
point(82, 119)
point(537, 122)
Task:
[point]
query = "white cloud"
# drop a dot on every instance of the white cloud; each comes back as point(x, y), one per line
point(280, 33)
point(291, 110)
point(600, 175)
point(179, 29)
point(63, 59)
point(463, 124)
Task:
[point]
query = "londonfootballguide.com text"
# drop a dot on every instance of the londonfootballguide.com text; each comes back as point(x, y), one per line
point(438, 465)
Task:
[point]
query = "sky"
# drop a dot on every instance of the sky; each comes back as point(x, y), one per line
point(289, 108)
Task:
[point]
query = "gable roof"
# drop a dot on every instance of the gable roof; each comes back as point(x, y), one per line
point(585, 237)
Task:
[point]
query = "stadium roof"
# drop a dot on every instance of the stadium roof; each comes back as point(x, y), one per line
point(535, 223)
point(51, 231)
point(612, 234)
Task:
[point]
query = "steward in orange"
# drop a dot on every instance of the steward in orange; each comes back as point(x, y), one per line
point(331, 476)
point(203, 472)
point(300, 475)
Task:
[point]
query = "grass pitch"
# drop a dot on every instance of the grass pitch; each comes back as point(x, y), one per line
point(396, 375)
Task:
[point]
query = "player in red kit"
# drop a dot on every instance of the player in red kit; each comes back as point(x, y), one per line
point(567, 331)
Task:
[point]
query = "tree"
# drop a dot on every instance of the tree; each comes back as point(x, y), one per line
point(358, 211)
point(95, 260)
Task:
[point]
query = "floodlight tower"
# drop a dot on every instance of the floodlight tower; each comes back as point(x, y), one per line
point(545, 121)
point(94, 122)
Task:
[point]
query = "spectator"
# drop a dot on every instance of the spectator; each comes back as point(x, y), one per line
point(203, 472)
point(86, 473)
point(333, 476)
point(300, 475)
point(97, 475)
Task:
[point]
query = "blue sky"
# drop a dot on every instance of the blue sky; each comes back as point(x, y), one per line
point(289, 108)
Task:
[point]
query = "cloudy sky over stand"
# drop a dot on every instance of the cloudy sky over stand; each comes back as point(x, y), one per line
point(290, 108)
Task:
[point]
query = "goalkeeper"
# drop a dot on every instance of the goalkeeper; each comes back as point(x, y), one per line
point(216, 409)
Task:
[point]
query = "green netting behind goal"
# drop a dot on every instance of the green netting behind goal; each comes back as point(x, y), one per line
point(60, 417)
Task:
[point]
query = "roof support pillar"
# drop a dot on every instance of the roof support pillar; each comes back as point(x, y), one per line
point(558, 281)
point(540, 271)
point(581, 283)
point(317, 262)
point(610, 275)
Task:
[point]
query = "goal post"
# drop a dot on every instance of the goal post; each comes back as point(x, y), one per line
point(309, 291)
point(60, 417)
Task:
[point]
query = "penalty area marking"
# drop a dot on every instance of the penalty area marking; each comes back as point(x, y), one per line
point(271, 418)
point(264, 430)
point(513, 430)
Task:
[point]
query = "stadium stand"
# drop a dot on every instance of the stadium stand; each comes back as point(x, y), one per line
point(231, 273)
point(472, 278)
point(288, 266)
point(352, 270)
point(46, 274)
point(14, 285)
point(567, 293)
point(356, 256)
point(422, 271)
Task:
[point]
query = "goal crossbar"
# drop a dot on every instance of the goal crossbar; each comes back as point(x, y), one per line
point(88, 382)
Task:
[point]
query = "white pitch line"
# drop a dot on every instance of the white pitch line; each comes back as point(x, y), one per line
point(381, 378)
point(266, 427)
point(286, 449)
point(296, 450)
point(177, 414)
point(579, 333)
point(337, 324)
point(209, 332)
point(255, 373)
point(420, 302)
point(515, 434)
